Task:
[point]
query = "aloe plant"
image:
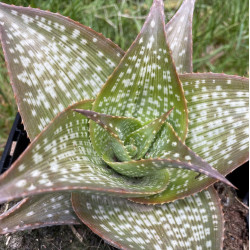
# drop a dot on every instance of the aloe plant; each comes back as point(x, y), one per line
point(128, 143)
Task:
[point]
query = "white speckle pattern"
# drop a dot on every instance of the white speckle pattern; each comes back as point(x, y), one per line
point(152, 87)
point(69, 162)
point(39, 211)
point(220, 122)
point(137, 226)
point(179, 36)
point(46, 64)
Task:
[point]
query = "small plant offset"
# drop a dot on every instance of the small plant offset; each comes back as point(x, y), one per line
point(127, 143)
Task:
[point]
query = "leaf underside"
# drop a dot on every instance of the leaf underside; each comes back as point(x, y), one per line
point(193, 223)
point(39, 211)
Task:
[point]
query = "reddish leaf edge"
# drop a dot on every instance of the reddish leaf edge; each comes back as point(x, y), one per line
point(72, 188)
point(31, 226)
point(38, 136)
point(155, 2)
point(190, 35)
point(17, 99)
point(75, 198)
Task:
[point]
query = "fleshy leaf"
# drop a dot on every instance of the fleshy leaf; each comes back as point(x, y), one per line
point(115, 129)
point(193, 223)
point(179, 37)
point(170, 153)
point(53, 62)
point(218, 130)
point(120, 126)
point(143, 137)
point(145, 83)
point(62, 158)
point(39, 211)
point(53, 38)
point(219, 118)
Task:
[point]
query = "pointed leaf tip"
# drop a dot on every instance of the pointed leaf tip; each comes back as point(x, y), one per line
point(148, 79)
point(143, 138)
point(179, 37)
point(53, 62)
point(195, 222)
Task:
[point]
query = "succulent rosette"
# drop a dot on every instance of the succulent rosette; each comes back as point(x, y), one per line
point(128, 143)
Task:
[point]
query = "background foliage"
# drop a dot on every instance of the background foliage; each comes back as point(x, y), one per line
point(222, 25)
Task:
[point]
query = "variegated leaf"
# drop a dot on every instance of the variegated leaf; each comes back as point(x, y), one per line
point(39, 211)
point(129, 134)
point(62, 158)
point(218, 129)
point(179, 37)
point(168, 148)
point(114, 131)
point(53, 62)
point(219, 118)
point(167, 152)
point(118, 125)
point(193, 223)
point(31, 35)
point(145, 83)
point(143, 138)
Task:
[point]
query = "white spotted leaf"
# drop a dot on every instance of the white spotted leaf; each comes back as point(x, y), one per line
point(44, 90)
point(144, 137)
point(53, 62)
point(167, 152)
point(168, 148)
point(218, 130)
point(193, 223)
point(145, 84)
point(179, 37)
point(39, 211)
point(62, 158)
point(114, 131)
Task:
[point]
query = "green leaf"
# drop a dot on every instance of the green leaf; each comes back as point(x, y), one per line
point(219, 118)
point(167, 152)
point(62, 158)
point(53, 62)
point(179, 37)
point(76, 61)
point(218, 130)
point(145, 83)
point(120, 126)
point(115, 129)
point(193, 223)
point(143, 138)
point(39, 211)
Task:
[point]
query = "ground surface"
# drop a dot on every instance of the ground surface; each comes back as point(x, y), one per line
point(236, 235)
point(80, 237)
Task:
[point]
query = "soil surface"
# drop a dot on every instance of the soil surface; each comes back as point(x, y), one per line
point(80, 237)
point(236, 216)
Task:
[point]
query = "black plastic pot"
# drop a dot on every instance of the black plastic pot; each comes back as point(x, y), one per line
point(18, 136)
point(16, 144)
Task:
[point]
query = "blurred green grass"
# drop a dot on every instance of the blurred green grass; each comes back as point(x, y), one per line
point(220, 35)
